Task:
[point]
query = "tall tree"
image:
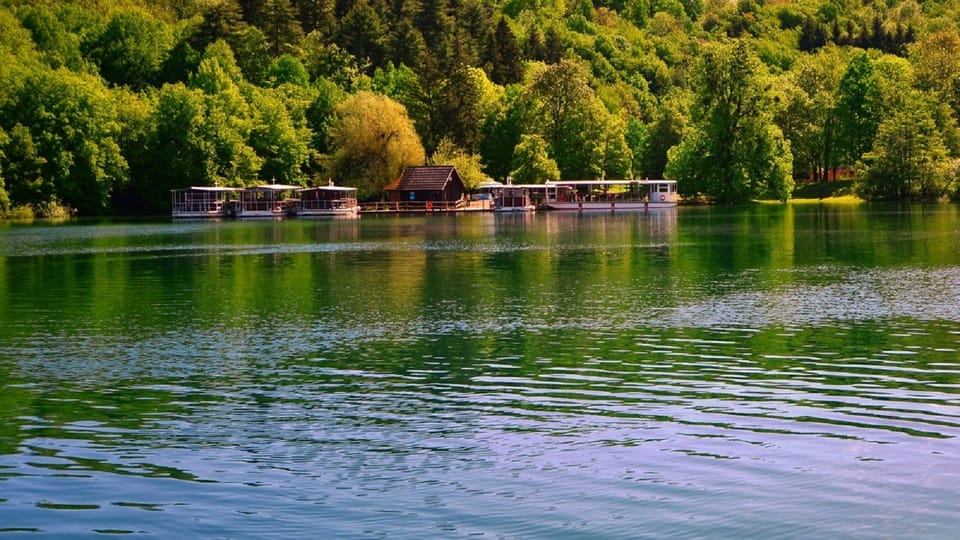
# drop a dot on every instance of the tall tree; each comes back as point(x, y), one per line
point(733, 152)
point(406, 45)
point(468, 99)
point(858, 109)
point(252, 53)
point(553, 46)
point(373, 140)
point(909, 159)
point(4, 196)
point(317, 15)
point(430, 114)
point(474, 22)
point(131, 49)
point(613, 155)
point(70, 131)
point(435, 25)
point(222, 19)
point(503, 56)
point(808, 94)
point(535, 49)
point(501, 132)
point(278, 22)
point(572, 120)
point(281, 142)
point(531, 162)
point(60, 46)
point(174, 150)
point(362, 33)
point(228, 120)
point(936, 62)
point(468, 165)
point(663, 133)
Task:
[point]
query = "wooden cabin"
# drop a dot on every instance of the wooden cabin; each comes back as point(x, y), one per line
point(428, 184)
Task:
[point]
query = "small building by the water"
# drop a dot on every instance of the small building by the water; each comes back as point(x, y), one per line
point(433, 184)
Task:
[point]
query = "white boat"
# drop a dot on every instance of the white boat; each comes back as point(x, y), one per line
point(204, 202)
point(268, 201)
point(512, 198)
point(610, 195)
point(328, 201)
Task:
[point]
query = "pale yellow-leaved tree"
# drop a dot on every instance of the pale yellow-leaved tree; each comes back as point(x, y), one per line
point(373, 141)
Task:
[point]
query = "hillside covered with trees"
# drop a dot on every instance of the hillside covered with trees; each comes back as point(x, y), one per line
point(105, 105)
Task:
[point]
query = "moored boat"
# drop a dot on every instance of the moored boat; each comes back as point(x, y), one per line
point(610, 195)
point(204, 202)
point(512, 198)
point(268, 201)
point(328, 201)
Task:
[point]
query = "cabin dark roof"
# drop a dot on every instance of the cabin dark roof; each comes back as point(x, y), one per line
point(430, 178)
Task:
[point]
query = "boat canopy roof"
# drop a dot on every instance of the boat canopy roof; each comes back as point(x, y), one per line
point(215, 189)
point(491, 184)
point(328, 188)
point(607, 182)
point(273, 187)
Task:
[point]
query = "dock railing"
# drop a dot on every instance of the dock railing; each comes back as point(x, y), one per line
point(411, 206)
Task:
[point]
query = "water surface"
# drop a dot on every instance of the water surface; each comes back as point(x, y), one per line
point(756, 372)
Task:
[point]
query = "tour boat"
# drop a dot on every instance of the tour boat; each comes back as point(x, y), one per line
point(268, 201)
point(328, 201)
point(512, 198)
point(204, 202)
point(610, 195)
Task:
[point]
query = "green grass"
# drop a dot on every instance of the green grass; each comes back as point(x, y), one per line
point(823, 190)
point(838, 199)
point(822, 193)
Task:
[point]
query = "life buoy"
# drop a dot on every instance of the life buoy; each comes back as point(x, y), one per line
point(429, 205)
point(663, 198)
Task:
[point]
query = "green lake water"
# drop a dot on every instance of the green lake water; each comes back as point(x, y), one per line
point(764, 372)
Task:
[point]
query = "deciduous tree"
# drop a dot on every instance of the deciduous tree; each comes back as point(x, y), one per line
point(69, 131)
point(909, 159)
point(131, 49)
point(468, 165)
point(733, 152)
point(858, 110)
point(531, 162)
point(501, 132)
point(373, 140)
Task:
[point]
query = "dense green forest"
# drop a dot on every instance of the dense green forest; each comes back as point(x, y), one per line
point(105, 105)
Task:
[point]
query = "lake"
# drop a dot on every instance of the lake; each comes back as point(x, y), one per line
point(766, 371)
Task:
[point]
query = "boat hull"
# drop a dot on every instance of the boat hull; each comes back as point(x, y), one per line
point(352, 212)
point(515, 209)
point(264, 214)
point(608, 206)
point(219, 214)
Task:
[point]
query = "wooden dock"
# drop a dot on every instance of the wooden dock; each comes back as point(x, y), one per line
point(420, 207)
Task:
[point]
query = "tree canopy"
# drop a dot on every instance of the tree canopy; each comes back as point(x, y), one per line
point(106, 105)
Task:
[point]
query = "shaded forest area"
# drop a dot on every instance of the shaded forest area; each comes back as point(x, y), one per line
point(107, 105)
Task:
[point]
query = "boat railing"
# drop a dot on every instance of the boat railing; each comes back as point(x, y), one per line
point(198, 206)
point(328, 204)
point(266, 205)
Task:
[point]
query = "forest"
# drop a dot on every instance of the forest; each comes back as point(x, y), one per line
point(106, 105)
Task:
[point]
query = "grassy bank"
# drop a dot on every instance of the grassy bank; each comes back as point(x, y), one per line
point(824, 190)
point(822, 193)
